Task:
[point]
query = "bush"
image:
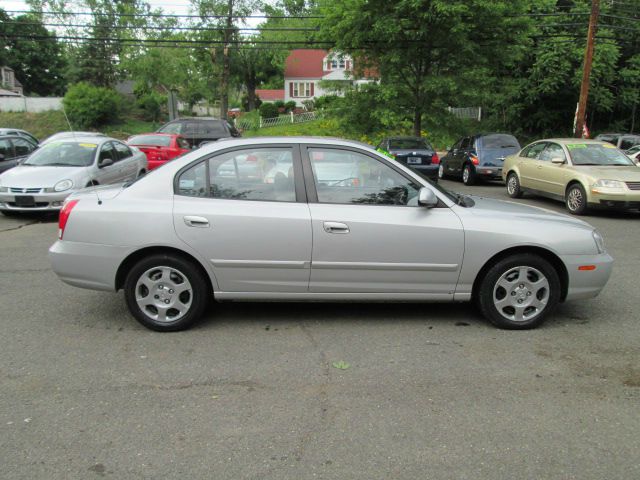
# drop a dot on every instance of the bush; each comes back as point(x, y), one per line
point(88, 106)
point(152, 104)
point(327, 101)
point(290, 106)
point(268, 110)
point(279, 104)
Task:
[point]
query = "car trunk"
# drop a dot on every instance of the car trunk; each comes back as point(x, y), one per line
point(413, 157)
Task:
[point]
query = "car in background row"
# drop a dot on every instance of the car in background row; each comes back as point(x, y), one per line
point(57, 169)
point(581, 173)
point(201, 228)
point(19, 133)
point(13, 150)
point(623, 141)
point(414, 152)
point(478, 157)
point(200, 130)
point(634, 154)
point(159, 147)
point(70, 134)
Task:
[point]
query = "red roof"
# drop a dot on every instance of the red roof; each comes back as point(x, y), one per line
point(303, 63)
point(270, 95)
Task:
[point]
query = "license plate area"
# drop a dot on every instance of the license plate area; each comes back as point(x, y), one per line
point(414, 160)
point(25, 201)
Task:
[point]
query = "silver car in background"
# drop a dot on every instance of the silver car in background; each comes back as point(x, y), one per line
point(57, 169)
point(219, 222)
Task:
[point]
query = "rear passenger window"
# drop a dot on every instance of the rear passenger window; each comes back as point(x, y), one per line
point(123, 151)
point(264, 174)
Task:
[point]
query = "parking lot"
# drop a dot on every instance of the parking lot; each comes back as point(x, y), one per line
point(251, 392)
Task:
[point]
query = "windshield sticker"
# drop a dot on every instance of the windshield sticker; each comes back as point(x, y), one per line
point(607, 145)
point(571, 146)
point(88, 145)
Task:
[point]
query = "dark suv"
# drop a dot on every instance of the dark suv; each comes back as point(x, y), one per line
point(478, 156)
point(200, 130)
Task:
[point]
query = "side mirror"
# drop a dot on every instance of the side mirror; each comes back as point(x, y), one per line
point(105, 163)
point(557, 160)
point(426, 198)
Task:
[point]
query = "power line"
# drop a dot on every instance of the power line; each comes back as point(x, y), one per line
point(204, 29)
point(166, 15)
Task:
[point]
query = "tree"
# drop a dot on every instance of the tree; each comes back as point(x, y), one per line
point(36, 56)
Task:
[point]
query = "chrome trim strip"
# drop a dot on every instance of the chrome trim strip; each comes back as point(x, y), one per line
point(260, 264)
point(427, 267)
point(339, 297)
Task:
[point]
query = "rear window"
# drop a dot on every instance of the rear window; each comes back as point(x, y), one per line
point(409, 144)
point(157, 140)
point(627, 142)
point(500, 141)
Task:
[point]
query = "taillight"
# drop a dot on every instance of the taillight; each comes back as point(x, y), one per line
point(435, 159)
point(64, 216)
point(474, 159)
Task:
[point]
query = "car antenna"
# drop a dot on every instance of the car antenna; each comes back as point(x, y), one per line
point(73, 134)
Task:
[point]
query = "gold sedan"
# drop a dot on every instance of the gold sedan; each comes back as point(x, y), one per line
point(582, 173)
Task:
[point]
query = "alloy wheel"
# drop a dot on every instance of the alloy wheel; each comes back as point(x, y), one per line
point(521, 293)
point(575, 199)
point(512, 184)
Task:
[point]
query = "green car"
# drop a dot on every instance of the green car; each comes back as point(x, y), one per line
point(582, 173)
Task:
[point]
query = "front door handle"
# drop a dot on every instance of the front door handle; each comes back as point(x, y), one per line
point(335, 227)
point(195, 221)
point(539, 166)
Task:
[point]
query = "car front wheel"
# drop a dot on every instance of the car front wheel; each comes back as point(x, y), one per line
point(166, 292)
point(576, 200)
point(513, 186)
point(519, 291)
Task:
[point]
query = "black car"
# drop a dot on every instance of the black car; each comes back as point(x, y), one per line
point(19, 133)
point(414, 152)
point(478, 157)
point(14, 149)
point(624, 141)
point(200, 130)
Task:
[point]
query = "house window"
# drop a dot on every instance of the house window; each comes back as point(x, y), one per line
point(302, 89)
point(337, 63)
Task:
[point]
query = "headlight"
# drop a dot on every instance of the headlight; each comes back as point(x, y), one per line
point(599, 241)
point(608, 185)
point(62, 185)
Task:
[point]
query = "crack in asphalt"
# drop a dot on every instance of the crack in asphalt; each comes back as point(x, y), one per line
point(19, 226)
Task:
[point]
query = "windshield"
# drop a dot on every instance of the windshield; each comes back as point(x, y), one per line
point(156, 140)
point(63, 154)
point(500, 141)
point(597, 154)
point(408, 144)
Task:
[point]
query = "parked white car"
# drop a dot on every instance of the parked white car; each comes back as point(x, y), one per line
point(57, 169)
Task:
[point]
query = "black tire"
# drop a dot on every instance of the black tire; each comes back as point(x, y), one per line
point(521, 304)
point(441, 172)
point(576, 199)
point(198, 296)
point(513, 185)
point(469, 176)
point(142, 173)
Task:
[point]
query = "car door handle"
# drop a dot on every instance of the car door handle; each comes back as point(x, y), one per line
point(539, 166)
point(195, 221)
point(335, 227)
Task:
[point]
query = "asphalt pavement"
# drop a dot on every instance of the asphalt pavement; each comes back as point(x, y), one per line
point(426, 391)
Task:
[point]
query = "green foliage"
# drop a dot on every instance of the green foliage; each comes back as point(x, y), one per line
point(245, 102)
point(327, 101)
point(268, 110)
point(152, 105)
point(290, 106)
point(279, 104)
point(88, 106)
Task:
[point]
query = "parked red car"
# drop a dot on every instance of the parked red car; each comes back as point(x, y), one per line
point(160, 147)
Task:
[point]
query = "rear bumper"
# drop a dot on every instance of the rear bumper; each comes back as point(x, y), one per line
point(87, 265)
point(587, 283)
point(493, 173)
point(429, 171)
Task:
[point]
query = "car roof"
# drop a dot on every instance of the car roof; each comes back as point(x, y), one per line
point(156, 134)
point(329, 141)
point(406, 137)
point(565, 141)
point(85, 139)
point(196, 119)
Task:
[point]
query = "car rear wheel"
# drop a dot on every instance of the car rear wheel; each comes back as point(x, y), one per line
point(142, 173)
point(468, 175)
point(519, 292)
point(513, 186)
point(166, 292)
point(576, 200)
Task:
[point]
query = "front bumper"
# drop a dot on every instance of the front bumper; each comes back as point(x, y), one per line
point(628, 200)
point(42, 202)
point(585, 283)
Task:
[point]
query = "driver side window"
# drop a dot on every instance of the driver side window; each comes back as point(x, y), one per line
point(532, 151)
point(346, 177)
point(107, 152)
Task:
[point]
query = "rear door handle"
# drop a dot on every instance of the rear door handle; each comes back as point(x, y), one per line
point(195, 221)
point(335, 227)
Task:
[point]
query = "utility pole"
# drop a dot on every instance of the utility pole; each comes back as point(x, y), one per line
point(224, 83)
point(586, 71)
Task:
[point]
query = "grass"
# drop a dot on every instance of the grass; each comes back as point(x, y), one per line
point(44, 124)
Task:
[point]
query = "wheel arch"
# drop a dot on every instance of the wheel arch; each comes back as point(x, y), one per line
point(574, 181)
point(128, 263)
point(548, 255)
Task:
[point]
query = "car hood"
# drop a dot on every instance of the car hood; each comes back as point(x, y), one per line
point(502, 209)
point(39, 177)
point(623, 174)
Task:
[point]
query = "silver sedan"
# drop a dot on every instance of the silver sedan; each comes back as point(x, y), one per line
point(57, 169)
point(308, 219)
